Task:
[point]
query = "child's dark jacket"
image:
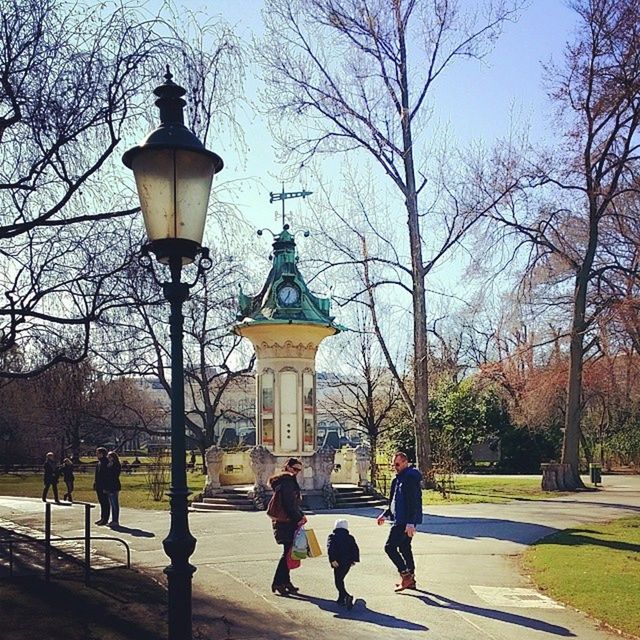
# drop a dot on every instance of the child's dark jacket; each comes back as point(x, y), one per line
point(342, 546)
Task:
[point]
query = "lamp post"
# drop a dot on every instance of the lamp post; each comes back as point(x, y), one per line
point(173, 173)
point(6, 436)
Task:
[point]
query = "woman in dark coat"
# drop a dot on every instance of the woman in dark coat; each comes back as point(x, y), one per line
point(286, 514)
point(113, 486)
point(67, 475)
point(50, 470)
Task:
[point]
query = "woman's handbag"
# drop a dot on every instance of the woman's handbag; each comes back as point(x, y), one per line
point(300, 548)
point(275, 510)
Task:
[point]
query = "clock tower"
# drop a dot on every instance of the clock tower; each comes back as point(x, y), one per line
point(285, 323)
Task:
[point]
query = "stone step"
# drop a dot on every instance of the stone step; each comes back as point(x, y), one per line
point(242, 490)
point(221, 506)
point(229, 499)
point(370, 502)
point(351, 492)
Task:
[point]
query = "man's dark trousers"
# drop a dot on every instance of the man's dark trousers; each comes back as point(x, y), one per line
point(398, 548)
point(54, 486)
point(105, 507)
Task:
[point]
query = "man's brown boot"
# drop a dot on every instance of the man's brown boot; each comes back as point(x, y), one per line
point(407, 581)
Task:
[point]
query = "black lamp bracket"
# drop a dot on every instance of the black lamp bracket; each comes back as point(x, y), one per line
point(202, 261)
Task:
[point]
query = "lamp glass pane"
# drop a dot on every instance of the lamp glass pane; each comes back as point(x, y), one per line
point(174, 188)
point(153, 170)
point(194, 173)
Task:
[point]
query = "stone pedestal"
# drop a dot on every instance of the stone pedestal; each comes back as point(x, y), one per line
point(314, 480)
point(349, 469)
point(213, 460)
point(363, 461)
point(263, 464)
point(321, 463)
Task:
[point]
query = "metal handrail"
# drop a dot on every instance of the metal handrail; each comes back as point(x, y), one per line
point(47, 541)
point(116, 539)
point(10, 541)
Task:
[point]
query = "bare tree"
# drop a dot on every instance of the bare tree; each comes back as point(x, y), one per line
point(342, 77)
point(573, 228)
point(74, 82)
point(364, 392)
point(213, 356)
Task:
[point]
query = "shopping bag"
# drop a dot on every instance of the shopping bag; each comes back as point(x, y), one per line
point(300, 548)
point(292, 563)
point(314, 548)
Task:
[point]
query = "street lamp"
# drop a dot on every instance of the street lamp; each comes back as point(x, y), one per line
point(173, 173)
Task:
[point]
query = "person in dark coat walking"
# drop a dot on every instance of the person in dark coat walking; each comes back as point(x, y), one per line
point(50, 470)
point(286, 514)
point(405, 511)
point(67, 475)
point(100, 485)
point(343, 553)
point(113, 486)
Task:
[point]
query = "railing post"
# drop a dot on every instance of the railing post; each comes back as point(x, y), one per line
point(47, 542)
point(87, 544)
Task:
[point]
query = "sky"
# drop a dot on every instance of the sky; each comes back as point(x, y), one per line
point(476, 100)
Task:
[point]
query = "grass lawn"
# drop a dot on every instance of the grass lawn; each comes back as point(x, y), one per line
point(469, 489)
point(119, 605)
point(134, 488)
point(595, 569)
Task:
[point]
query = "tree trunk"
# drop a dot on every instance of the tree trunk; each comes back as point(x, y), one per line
point(373, 463)
point(420, 363)
point(571, 441)
point(588, 454)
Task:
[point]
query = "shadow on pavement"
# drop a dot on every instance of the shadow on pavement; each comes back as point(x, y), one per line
point(612, 505)
point(361, 612)
point(497, 528)
point(137, 533)
point(435, 600)
point(576, 537)
point(214, 616)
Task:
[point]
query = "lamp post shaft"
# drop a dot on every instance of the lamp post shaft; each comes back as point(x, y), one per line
point(179, 543)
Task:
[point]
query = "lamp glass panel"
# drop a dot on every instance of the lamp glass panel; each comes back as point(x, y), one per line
point(194, 172)
point(174, 188)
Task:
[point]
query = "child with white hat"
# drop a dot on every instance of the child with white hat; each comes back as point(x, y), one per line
point(343, 553)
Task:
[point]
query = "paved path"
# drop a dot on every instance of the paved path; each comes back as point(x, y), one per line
point(467, 558)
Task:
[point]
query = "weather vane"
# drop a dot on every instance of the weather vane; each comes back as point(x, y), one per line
point(286, 195)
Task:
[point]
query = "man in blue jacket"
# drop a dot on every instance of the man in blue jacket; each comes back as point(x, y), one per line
point(405, 511)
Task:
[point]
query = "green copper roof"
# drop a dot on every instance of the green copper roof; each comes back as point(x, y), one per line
point(285, 296)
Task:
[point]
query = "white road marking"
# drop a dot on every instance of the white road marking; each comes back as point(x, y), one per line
point(519, 597)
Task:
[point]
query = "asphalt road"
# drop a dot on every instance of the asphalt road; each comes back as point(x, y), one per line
point(469, 580)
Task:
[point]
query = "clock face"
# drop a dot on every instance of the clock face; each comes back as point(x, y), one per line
point(289, 295)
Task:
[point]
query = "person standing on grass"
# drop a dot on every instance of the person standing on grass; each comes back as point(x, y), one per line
point(113, 486)
point(100, 485)
point(405, 512)
point(50, 470)
point(67, 475)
